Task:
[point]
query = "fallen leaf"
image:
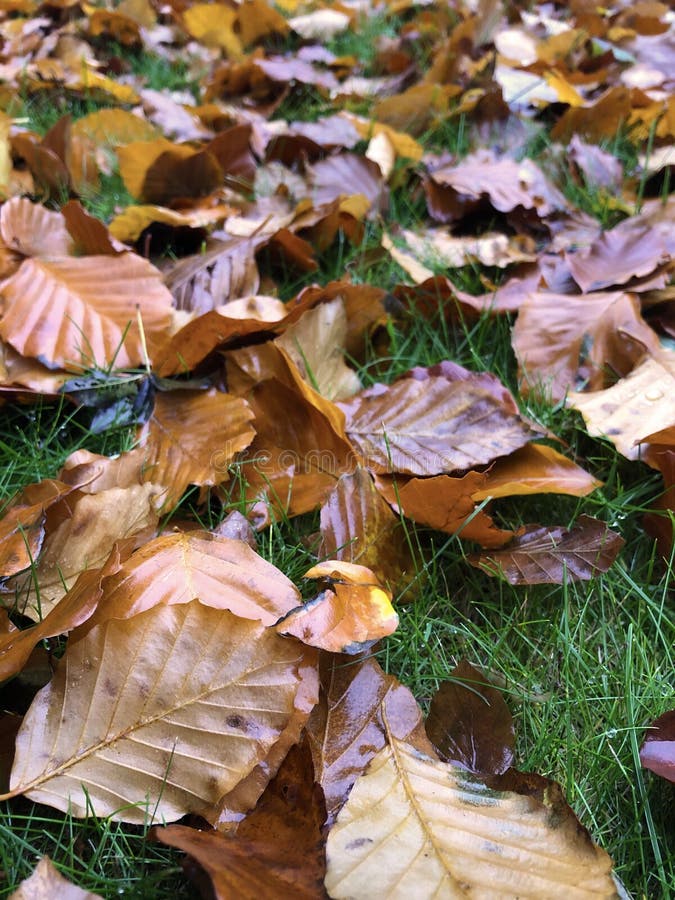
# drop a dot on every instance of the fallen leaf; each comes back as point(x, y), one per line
point(315, 343)
point(552, 555)
point(430, 427)
point(344, 618)
point(278, 850)
point(658, 748)
point(65, 314)
point(470, 724)
point(535, 469)
point(439, 847)
point(172, 708)
point(192, 438)
point(177, 568)
point(347, 727)
point(635, 407)
point(359, 527)
point(46, 881)
point(31, 230)
point(565, 342)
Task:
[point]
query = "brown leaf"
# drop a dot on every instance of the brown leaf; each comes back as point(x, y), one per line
point(90, 236)
point(170, 709)
point(278, 850)
point(563, 341)
point(445, 503)
point(64, 313)
point(47, 882)
point(552, 555)
point(536, 469)
point(430, 427)
point(469, 723)
point(630, 250)
point(347, 727)
point(359, 527)
point(485, 178)
point(192, 437)
point(658, 749)
point(22, 525)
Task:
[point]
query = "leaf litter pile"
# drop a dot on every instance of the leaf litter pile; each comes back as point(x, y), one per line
point(195, 683)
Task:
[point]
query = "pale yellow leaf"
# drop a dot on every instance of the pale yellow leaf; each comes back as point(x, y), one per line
point(412, 266)
point(381, 150)
point(633, 408)
point(316, 343)
point(321, 25)
point(47, 883)
point(417, 827)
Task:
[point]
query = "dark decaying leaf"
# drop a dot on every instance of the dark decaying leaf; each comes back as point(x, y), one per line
point(347, 727)
point(658, 750)
point(278, 851)
point(470, 724)
point(553, 554)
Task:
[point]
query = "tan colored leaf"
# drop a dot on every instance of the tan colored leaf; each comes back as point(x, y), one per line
point(88, 526)
point(46, 883)
point(565, 341)
point(414, 826)
point(381, 150)
point(315, 343)
point(192, 437)
point(409, 263)
point(177, 568)
point(633, 408)
point(69, 314)
point(168, 711)
point(321, 24)
point(76, 607)
point(347, 727)
point(490, 248)
point(536, 469)
point(30, 229)
point(432, 426)
point(359, 527)
point(553, 554)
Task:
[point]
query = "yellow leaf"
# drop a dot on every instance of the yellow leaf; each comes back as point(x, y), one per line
point(212, 24)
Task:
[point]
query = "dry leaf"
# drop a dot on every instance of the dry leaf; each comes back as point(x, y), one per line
point(535, 469)
point(658, 749)
point(169, 710)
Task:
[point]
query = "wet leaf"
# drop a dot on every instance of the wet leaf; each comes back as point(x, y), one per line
point(536, 469)
point(470, 724)
point(359, 527)
point(347, 727)
point(277, 851)
point(436, 851)
point(346, 617)
point(431, 427)
point(552, 555)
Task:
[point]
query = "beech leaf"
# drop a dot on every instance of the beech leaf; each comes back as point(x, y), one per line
point(47, 882)
point(414, 826)
point(658, 749)
point(165, 712)
point(550, 555)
